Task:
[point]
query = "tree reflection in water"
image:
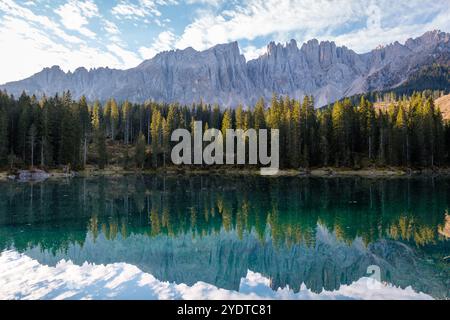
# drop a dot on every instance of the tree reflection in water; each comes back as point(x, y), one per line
point(323, 232)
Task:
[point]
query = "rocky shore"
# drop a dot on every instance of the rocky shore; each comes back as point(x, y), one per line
point(37, 175)
point(34, 175)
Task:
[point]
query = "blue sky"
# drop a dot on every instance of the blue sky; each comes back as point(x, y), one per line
point(122, 33)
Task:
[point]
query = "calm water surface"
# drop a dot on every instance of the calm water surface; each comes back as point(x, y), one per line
point(320, 232)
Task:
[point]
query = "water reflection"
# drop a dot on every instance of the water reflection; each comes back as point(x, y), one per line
point(321, 232)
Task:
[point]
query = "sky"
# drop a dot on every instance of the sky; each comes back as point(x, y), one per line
point(122, 33)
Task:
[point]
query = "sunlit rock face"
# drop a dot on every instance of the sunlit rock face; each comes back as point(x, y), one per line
point(222, 75)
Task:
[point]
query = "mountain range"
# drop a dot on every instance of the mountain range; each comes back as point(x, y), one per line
point(222, 75)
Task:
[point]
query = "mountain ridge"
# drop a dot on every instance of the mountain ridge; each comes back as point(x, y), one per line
point(222, 75)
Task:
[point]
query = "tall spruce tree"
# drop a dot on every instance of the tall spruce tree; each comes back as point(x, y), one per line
point(3, 133)
point(139, 156)
point(156, 134)
point(115, 119)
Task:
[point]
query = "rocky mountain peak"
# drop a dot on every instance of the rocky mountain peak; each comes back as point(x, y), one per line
point(310, 45)
point(231, 48)
point(222, 75)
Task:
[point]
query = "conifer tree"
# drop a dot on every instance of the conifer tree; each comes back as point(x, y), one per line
point(126, 116)
point(165, 128)
point(85, 122)
point(226, 122)
point(100, 144)
point(139, 155)
point(326, 136)
point(32, 140)
point(259, 115)
point(24, 123)
point(96, 116)
point(410, 132)
point(294, 135)
point(107, 117)
point(401, 131)
point(70, 137)
point(339, 136)
point(156, 132)
point(3, 134)
point(115, 119)
point(240, 117)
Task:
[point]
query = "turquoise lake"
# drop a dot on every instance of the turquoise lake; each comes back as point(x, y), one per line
point(319, 233)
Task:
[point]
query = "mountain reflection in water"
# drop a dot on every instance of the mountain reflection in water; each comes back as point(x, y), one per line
point(321, 232)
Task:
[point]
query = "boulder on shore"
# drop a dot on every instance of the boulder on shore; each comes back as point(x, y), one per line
point(32, 175)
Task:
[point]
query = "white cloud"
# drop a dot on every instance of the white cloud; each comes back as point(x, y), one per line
point(10, 8)
point(251, 52)
point(214, 3)
point(75, 15)
point(31, 49)
point(258, 18)
point(378, 30)
point(129, 59)
point(66, 39)
point(32, 42)
point(325, 19)
point(111, 27)
point(140, 9)
point(165, 41)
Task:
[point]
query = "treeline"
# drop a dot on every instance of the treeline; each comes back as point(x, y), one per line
point(435, 76)
point(58, 131)
point(395, 95)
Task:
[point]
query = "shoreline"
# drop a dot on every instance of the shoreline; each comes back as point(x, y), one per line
point(329, 172)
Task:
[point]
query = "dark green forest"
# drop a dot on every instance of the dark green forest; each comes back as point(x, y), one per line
point(52, 132)
point(436, 76)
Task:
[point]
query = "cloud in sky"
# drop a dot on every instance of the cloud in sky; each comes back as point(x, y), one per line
point(163, 42)
point(121, 33)
point(75, 16)
point(140, 9)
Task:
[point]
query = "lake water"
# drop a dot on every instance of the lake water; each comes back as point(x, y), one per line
point(157, 237)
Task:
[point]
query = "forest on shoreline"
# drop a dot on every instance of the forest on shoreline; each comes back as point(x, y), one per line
point(56, 132)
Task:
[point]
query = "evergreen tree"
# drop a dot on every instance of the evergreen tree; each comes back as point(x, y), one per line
point(156, 133)
point(259, 117)
point(3, 133)
point(216, 119)
point(126, 116)
point(24, 123)
point(32, 140)
point(339, 137)
point(85, 126)
point(44, 131)
point(166, 140)
point(326, 136)
point(100, 144)
point(56, 130)
point(240, 117)
point(115, 119)
point(107, 117)
point(96, 116)
point(140, 156)
point(294, 134)
point(401, 131)
point(227, 122)
point(70, 137)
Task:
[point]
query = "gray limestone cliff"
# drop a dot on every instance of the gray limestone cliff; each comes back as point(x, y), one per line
point(222, 75)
